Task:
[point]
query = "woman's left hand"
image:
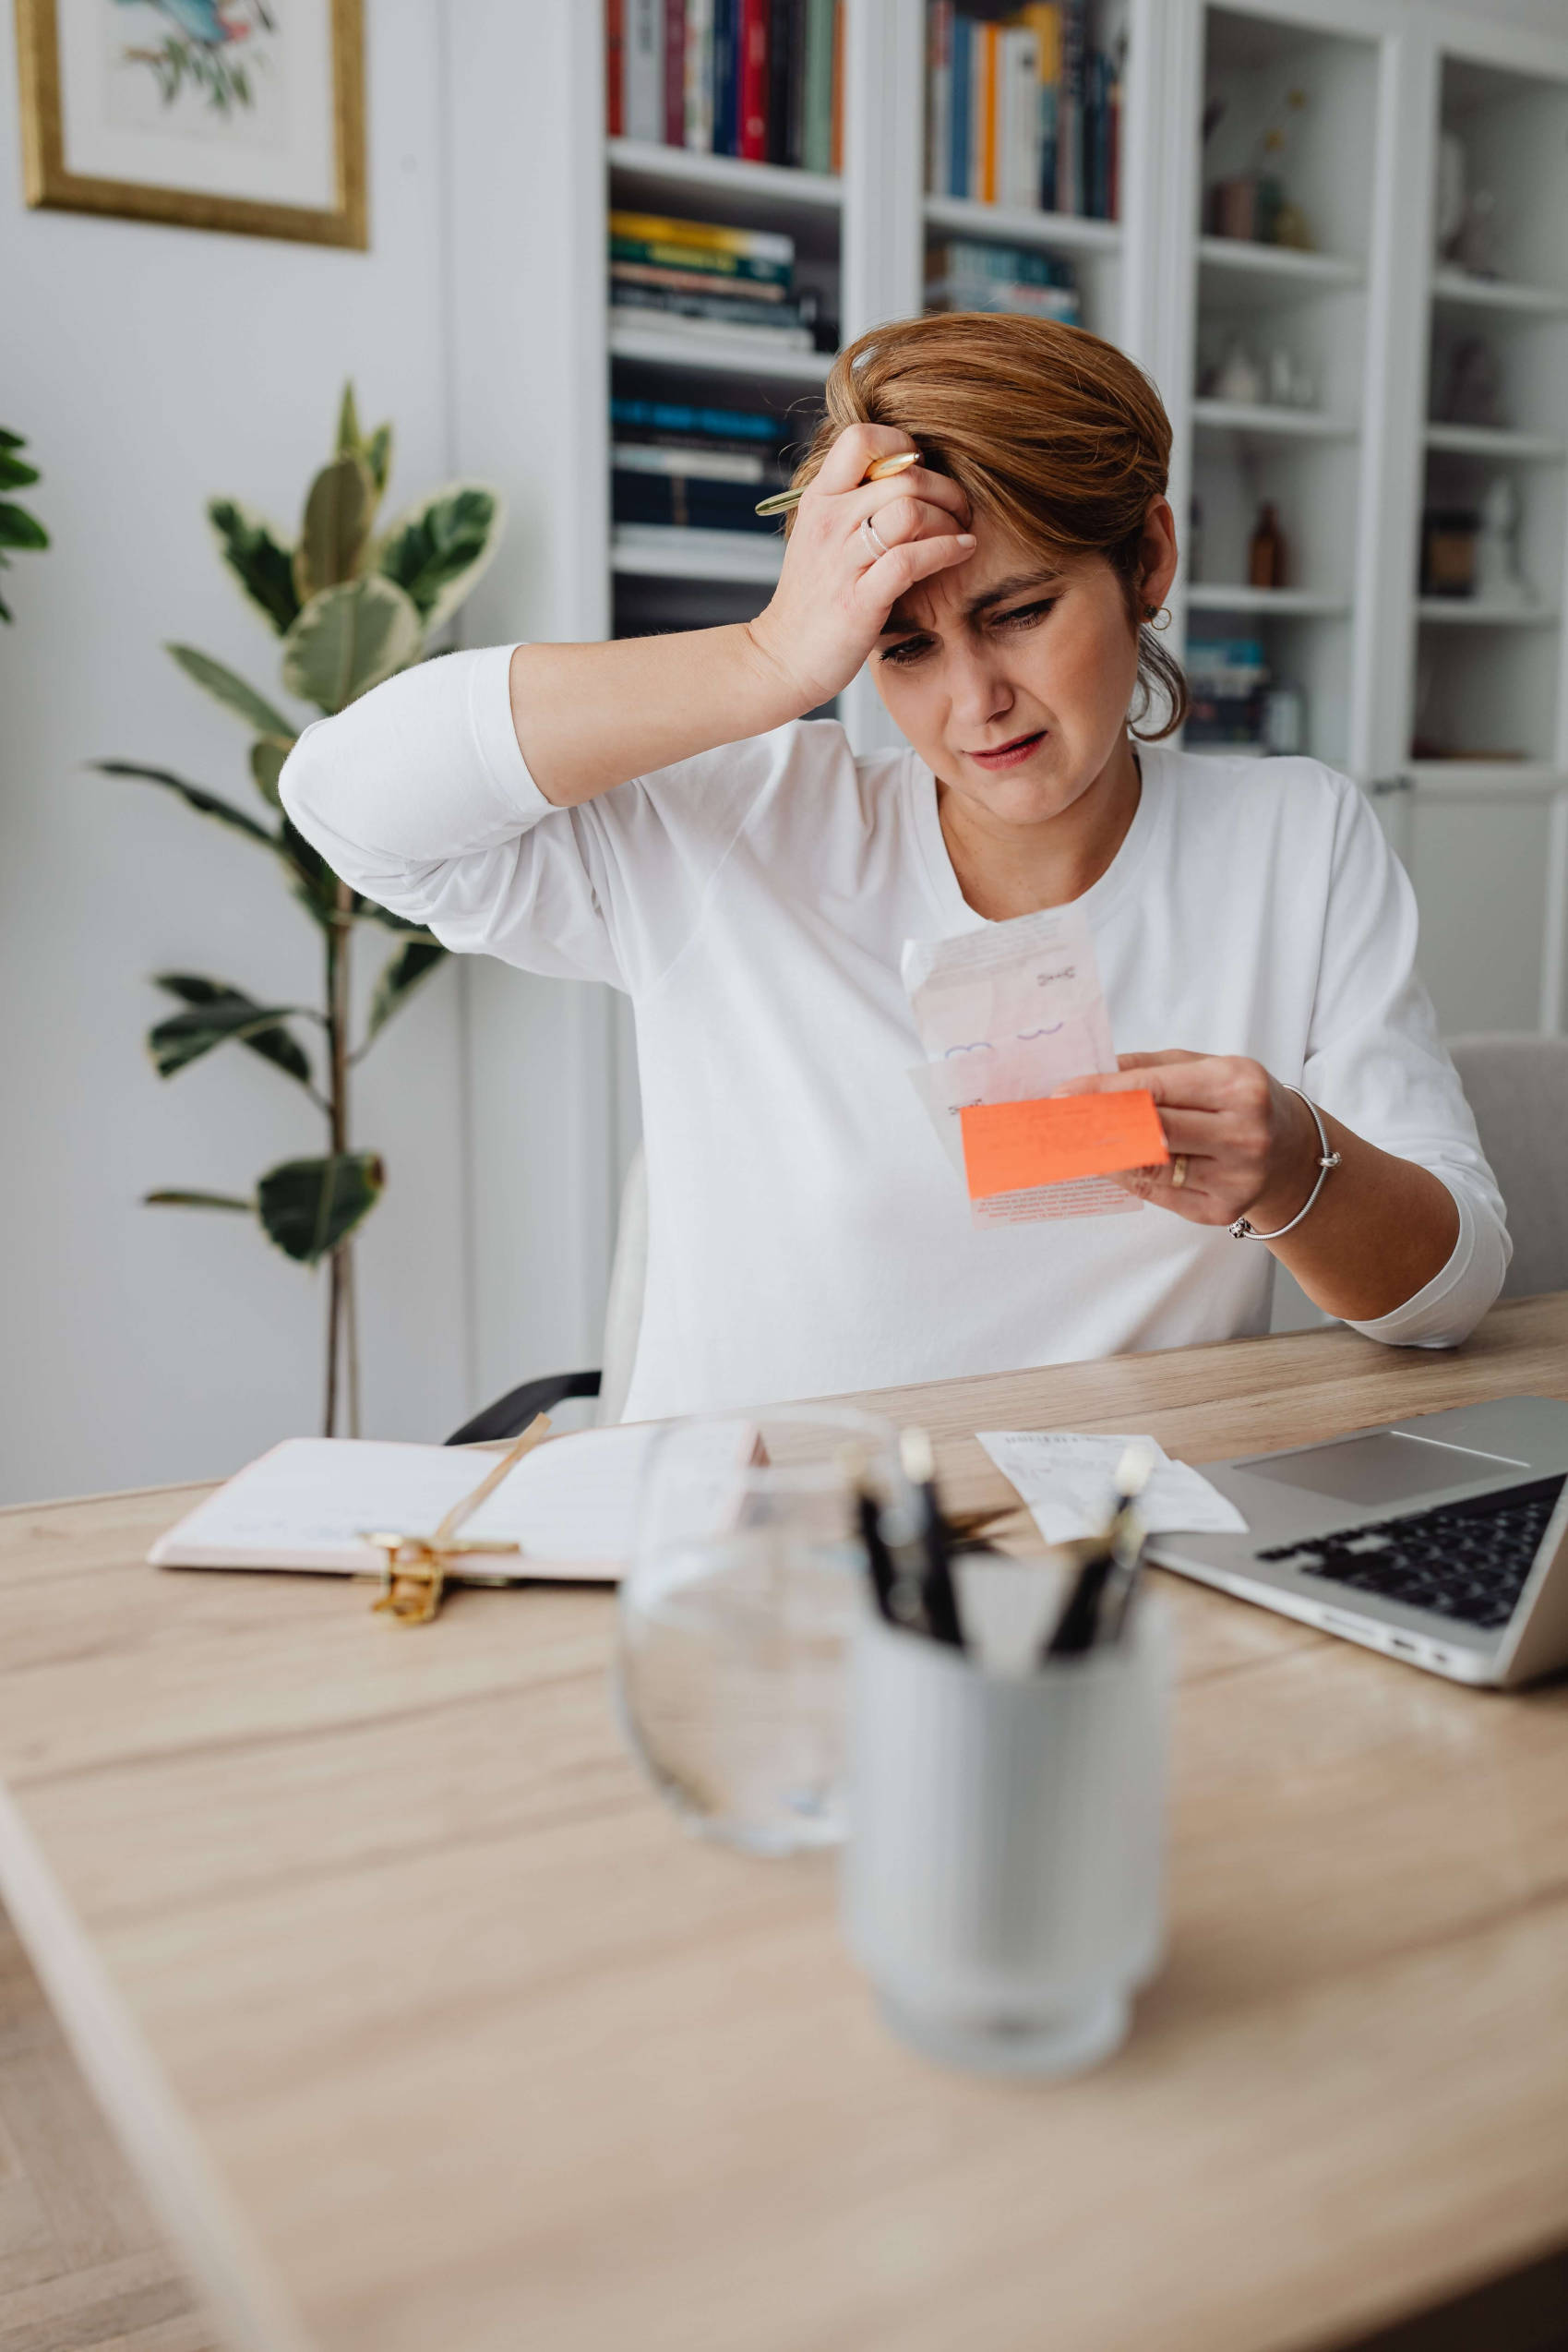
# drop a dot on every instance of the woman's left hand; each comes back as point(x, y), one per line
point(1240, 1143)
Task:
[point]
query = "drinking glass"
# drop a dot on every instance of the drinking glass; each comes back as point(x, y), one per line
point(737, 1614)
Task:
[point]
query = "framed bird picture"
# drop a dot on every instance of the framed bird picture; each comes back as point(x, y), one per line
point(240, 114)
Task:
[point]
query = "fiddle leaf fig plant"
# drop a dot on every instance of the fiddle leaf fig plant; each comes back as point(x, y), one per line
point(17, 527)
point(352, 607)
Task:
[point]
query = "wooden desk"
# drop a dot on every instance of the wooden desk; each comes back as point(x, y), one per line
point(429, 2029)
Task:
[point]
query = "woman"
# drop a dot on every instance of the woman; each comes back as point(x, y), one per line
point(660, 814)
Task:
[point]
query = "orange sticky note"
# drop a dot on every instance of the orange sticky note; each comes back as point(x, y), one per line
point(1008, 1147)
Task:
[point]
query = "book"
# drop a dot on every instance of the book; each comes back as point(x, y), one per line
point(982, 136)
point(699, 76)
point(686, 501)
point(817, 129)
point(1069, 111)
point(685, 327)
point(642, 108)
point(674, 73)
point(740, 424)
point(1018, 165)
point(694, 460)
point(978, 257)
point(706, 237)
point(729, 309)
point(726, 47)
point(703, 282)
point(308, 1503)
point(614, 67)
point(753, 77)
point(938, 95)
point(962, 105)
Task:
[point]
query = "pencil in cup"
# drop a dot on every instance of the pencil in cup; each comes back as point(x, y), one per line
point(879, 470)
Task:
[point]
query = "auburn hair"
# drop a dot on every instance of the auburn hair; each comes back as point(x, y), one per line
point(1051, 433)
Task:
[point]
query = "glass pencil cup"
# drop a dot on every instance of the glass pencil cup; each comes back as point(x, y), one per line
point(736, 1615)
point(1002, 1887)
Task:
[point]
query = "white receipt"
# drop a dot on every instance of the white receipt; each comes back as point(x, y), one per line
point(1068, 1483)
point(1006, 1015)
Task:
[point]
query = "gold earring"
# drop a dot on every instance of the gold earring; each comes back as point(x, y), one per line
point(1158, 615)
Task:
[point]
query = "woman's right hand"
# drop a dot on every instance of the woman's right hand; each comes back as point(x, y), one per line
point(835, 592)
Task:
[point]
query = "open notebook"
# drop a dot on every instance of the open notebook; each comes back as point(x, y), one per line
point(571, 1505)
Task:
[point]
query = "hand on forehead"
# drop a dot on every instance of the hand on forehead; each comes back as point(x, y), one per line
point(1000, 567)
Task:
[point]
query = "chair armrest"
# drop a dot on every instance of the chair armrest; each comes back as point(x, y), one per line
point(511, 1414)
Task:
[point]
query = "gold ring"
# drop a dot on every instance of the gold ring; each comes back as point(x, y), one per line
point(1179, 1171)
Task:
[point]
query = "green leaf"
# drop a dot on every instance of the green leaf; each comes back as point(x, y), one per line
point(347, 639)
point(367, 909)
point(16, 472)
point(309, 1206)
point(337, 523)
point(231, 691)
point(197, 796)
point(261, 564)
point(399, 978)
point(12, 440)
point(198, 1200)
point(267, 756)
point(349, 441)
point(19, 529)
point(438, 548)
point(377, 455)
point(219, 1015)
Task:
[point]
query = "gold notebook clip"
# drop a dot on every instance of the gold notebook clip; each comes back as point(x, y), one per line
point(415, 1577)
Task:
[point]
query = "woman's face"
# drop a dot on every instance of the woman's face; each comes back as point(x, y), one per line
point(1012, 675)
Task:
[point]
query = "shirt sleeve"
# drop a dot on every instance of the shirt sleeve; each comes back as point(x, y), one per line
point(419, 796)
point(1376, 1060)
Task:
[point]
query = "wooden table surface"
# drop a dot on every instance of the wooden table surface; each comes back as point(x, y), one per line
point(428, 2027)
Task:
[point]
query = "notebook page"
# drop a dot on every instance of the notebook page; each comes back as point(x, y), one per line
point(571, 1503)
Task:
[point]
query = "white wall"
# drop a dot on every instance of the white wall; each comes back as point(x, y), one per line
point(150, 367)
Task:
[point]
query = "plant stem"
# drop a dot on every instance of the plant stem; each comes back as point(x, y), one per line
point(342, 1341)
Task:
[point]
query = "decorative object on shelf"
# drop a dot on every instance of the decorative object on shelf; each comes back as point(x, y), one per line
point(1470, 378)
point(741, 77)
point(233, 115)
point(1500, 581)
point(352, 607)
point(1022, 112)
point(1266, 563)
point(1466, 216)
point(1289, 383)
point(1448, 551)
point(17, 527)
point(1239, 377)
point(1283, 721)
point(1255, 206)
point(969, 273)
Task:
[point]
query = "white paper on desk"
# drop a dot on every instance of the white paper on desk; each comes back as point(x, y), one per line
point(571, 1503)
point(1068, 1483)
point(1006, 1014)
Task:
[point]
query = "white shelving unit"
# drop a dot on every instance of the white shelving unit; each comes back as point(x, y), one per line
point(1452, 712)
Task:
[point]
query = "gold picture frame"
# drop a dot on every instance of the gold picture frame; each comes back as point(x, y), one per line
point(50, 182)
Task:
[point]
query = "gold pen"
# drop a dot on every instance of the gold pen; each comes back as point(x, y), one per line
point(877, 471)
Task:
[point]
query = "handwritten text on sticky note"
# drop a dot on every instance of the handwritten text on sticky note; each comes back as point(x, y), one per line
point(1010, 1146)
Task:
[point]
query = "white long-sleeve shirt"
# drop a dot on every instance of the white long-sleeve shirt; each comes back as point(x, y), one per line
point(807, 1235)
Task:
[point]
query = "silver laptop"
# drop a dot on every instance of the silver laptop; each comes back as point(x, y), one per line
point(1442, 1539)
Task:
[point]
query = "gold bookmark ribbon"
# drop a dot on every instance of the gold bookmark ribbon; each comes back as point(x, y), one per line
point(413, 1580)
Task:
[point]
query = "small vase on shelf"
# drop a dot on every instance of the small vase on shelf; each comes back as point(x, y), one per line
point(1266, 555)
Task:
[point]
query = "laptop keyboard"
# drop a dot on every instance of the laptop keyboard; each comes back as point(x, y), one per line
point(1468, 1560)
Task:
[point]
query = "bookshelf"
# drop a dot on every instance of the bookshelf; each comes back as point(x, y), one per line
point(1341, 374)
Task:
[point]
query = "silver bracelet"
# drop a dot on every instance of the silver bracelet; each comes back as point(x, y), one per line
point(1243, 1232)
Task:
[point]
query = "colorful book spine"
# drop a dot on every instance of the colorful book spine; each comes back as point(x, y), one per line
point(962, 113)
point(747, 425)
point(699, 76)
point(642, 108)
point(983, 165)
point(704, 236)
point(753, 77)
point(674, 73)
point(728, 310)
point(817, 128)
point(726, 16)
point(1069, 111)
point(938, 95)
point(614, 67)
point(677, 279)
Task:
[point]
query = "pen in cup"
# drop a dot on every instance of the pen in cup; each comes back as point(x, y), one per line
point(1096, 1607)
point(879, 470)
